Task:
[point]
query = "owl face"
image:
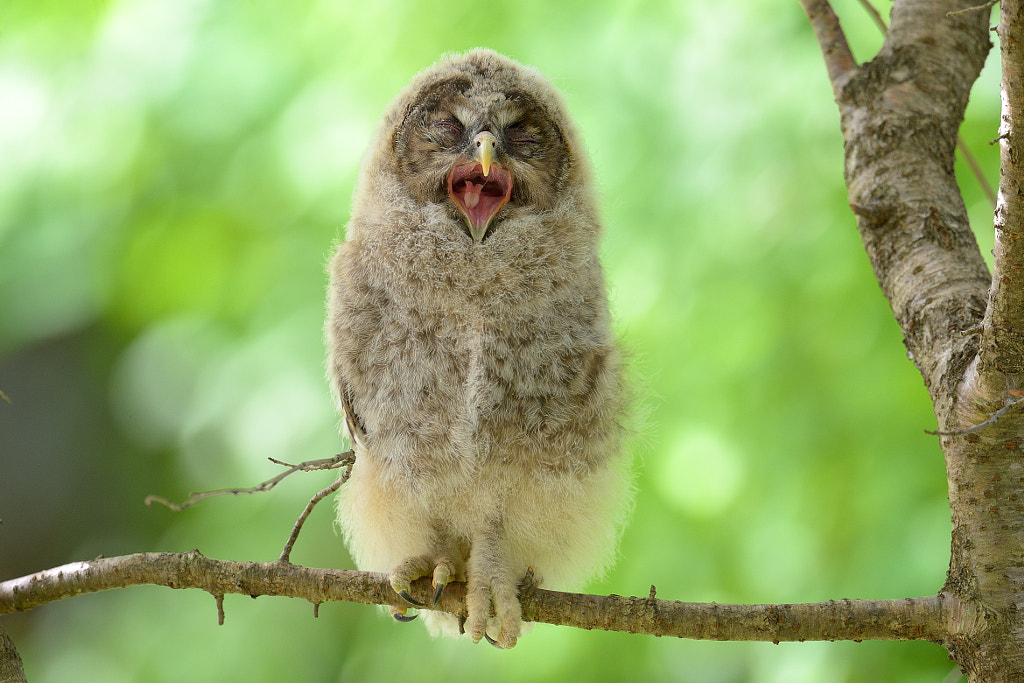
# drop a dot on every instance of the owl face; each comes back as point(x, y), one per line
point(480, 143)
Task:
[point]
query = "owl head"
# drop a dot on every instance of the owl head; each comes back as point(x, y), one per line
point(481, 136)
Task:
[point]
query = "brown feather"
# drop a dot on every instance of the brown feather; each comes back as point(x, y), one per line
point(481, 382)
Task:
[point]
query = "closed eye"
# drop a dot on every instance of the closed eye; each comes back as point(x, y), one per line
point(521, 139)
point(449, 127)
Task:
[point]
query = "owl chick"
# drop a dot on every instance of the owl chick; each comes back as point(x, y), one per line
point(470, 350)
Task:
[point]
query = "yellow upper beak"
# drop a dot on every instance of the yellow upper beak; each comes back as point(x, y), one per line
point(486, 148)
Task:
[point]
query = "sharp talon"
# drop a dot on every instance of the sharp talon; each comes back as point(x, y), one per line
point(404, 618)
point(493, 642)
point(440, 580)
point(409, 599)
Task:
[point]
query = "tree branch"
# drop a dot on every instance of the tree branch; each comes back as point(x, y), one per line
point(975, 8)
point(900, 115)
point(341, 460)
point(838, 58)
point(875, 16)
point(1001, 359)
point(925, 618)
point(961, 144)
point(286, 552)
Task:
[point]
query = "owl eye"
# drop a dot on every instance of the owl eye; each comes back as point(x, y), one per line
point(450, 129)
point(519, 139)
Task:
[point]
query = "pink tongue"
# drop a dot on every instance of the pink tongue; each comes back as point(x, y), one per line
point(472, 196)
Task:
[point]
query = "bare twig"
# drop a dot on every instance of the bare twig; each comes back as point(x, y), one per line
point(287, 551)
point(925, 618)
point(4, 397)
point(340, 460)
point(879, 22)
point(977, 8)
point(986, 187)
point(973, 428)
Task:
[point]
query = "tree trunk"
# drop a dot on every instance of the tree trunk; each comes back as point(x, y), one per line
point(962, 325)
point(900, 114)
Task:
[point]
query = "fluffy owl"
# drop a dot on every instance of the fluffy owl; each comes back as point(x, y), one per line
point(470, 350)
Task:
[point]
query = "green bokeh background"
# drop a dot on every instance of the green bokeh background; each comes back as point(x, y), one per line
point(172, 177)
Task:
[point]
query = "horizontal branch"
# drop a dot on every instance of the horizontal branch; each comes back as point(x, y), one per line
point(926, 618)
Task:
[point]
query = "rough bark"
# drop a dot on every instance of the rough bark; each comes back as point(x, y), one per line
point(927, 618)
point(962, 327)
point(11, 668)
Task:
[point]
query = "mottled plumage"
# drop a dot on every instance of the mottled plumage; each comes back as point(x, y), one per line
point(470, 347)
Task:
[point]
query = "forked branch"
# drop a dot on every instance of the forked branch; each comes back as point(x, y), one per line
point(338, 461)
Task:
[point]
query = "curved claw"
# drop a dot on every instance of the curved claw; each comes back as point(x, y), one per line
point(440, 580)
point(493, 642)
point(404, 618)
point(404, 593)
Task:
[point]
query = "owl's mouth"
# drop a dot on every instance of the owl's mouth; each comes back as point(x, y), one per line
point(479, 197)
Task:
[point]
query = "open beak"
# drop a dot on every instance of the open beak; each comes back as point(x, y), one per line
point(480, 187)
point(486, 149)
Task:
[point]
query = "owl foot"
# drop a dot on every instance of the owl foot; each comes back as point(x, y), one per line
point(502, 630)
point(409, 599)
point(440, 571)
point(400, 615)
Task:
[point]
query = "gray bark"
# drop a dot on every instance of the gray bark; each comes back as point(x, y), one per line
point(962, 325)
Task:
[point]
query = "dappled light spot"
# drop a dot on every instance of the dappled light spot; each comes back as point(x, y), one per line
point(701, 473)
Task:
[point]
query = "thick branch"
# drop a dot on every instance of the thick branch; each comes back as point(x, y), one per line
point(927, 618)
point(1002, 350)
point(900, 116)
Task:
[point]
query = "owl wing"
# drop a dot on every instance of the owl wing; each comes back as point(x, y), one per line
point(354, 426)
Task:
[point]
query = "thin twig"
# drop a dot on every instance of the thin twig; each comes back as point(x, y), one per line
point(340, 460)
point(287, 551)
point(879, 21)
point(4, 397)
point(973, 428)
point(977, 8)
point(976, 170)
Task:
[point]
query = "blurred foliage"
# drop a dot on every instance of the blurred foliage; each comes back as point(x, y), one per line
point(172, 178)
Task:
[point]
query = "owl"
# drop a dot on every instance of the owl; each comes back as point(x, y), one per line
point(470, 350)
